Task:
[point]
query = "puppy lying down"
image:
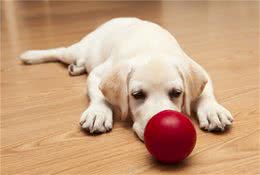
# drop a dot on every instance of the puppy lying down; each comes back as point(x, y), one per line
point(138, 67)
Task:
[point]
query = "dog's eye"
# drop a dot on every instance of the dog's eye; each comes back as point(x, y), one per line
point(175, 93)
point(139, 95)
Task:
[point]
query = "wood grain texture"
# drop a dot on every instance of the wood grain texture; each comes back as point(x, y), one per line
point(41, 104)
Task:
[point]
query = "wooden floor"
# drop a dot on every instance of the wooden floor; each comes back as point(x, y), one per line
point(41, 104)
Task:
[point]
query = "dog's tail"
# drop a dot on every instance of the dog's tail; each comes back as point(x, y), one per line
point(50, 55)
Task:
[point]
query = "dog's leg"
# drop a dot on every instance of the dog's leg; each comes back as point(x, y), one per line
point(77, 68)
point(98, 117)
point(65, 55)
point(212, 116)
point(69, 55)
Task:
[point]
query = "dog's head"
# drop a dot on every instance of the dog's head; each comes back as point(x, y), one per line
point(143, 88)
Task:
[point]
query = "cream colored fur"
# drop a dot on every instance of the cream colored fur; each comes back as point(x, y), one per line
point(129, 55)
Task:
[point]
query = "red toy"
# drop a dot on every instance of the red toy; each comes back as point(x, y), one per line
point(170, 136)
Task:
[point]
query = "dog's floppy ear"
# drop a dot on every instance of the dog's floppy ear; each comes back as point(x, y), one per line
point(114, 87)
point(194, 79)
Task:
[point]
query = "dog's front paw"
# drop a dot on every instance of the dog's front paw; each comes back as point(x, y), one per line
point(97, 118)
point(213, 117)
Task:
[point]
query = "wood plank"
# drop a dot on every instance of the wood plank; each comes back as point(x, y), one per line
point(41, 104)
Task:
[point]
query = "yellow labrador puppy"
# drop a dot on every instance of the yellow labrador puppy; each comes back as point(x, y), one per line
point(139, 68)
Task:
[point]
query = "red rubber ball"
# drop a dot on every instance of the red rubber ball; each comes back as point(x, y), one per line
point(170, 136)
